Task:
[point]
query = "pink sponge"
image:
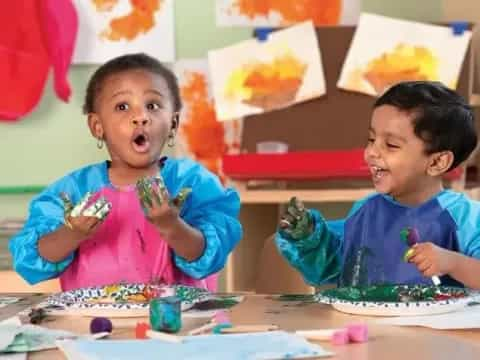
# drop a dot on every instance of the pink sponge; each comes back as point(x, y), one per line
point(340, 337)
point(358, 333)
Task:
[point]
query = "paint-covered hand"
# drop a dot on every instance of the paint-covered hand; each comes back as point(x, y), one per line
point(431, 260)
point(296, 223)
point(156, 203)
point(85, 217)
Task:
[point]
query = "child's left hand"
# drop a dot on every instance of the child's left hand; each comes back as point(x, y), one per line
point(156, 203)
point(431, 259)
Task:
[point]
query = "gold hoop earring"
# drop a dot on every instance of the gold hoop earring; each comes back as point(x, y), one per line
point(100, 143)
point(171, 139)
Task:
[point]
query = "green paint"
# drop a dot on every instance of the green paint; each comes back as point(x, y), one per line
point(165, 314)
point(394, 293)
point(295, 297)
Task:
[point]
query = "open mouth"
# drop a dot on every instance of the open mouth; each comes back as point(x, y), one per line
point(141, 143)
point(377, 172)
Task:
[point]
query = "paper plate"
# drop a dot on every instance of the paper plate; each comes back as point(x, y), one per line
point(396, 300)
point(122, 300)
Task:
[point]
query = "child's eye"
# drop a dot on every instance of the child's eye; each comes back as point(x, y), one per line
point(392, 146)
point(153, 106)
point(121, 107)
point(371, 140)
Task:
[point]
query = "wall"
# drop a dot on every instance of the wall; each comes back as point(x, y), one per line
point(54, 139)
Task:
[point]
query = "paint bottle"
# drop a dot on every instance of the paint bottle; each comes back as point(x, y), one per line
point(165, 314)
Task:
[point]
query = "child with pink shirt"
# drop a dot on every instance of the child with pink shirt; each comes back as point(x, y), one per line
point(132, 103)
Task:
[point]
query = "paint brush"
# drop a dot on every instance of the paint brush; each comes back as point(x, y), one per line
point(152, 334)
point(411, 237)
point(239, 329)
point(202, 329)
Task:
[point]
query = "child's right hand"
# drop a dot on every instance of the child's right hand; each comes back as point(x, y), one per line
point(84, 226)
point(85, 217)
point(296, 222)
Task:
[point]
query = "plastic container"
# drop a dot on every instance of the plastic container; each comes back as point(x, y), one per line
point(272, 147)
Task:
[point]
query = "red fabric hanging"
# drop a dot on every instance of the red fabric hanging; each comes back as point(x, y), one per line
point(34, 36)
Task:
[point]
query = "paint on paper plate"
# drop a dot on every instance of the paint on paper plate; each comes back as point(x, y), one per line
point(276, 13)
point(201, 136)
point(386, 51)
point(254, 77)
point(108, 28)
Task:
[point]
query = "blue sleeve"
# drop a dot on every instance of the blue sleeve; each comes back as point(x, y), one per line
point(211, 209)
point(318, 257)
point(466, 214)
point(46, 216)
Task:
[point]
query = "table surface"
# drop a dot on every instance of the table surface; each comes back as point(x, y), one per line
point(386, 342)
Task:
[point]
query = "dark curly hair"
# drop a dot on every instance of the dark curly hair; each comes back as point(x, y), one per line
point(441, 117)
point(130, 62)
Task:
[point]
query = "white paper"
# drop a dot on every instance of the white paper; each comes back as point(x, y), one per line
point(155, 35)
point(468, 318)
point(291, 56)
point(385, 51)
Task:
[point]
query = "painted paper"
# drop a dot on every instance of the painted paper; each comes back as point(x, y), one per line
point(385, 51)
point(109, 28)
point(275, 13)
point(253, 77)
point(201, 136)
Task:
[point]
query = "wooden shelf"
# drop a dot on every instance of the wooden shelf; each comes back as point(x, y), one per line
point(311, 196)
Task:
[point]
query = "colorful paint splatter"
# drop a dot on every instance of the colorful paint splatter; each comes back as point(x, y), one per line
point(267, 85)
point(202, 136)
point(138, 21)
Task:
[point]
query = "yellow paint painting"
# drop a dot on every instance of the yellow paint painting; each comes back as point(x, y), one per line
point(254, 77)
point(201, 136)
point(385, 51)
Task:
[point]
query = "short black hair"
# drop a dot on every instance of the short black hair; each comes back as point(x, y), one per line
point(128, 62)
point(441, 117)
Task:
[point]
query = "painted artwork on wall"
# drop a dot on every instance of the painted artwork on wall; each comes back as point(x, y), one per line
point(109, 28)
point(276, 13)
point(201, 136)
point(254, 76)
point(385, 51)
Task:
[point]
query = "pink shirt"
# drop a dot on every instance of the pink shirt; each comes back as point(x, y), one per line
point(126, 248)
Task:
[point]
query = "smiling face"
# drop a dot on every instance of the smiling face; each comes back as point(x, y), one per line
point(134, 114)
point(398, 161)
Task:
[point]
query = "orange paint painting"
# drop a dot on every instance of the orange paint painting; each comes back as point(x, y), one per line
point(321, 12)
point(267, 85)
point(140, 20)
point(203, 133)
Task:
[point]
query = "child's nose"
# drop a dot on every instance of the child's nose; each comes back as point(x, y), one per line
point(372, 151)
point(141, 121)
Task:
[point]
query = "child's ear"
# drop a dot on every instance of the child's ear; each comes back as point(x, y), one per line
point(95, 125)
point(439, 163)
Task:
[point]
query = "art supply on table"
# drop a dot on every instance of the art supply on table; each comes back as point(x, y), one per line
point(353, 333)
point(152, 334)
point(242, 329)
point(100, 324)
point(411, 237)
point(141, 330)
point(16, 337)
point(265, 345)
point(165, 314)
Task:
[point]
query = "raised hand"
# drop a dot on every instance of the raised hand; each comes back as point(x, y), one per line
point(156, 203)
point(296, 222)
point(85, 217)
